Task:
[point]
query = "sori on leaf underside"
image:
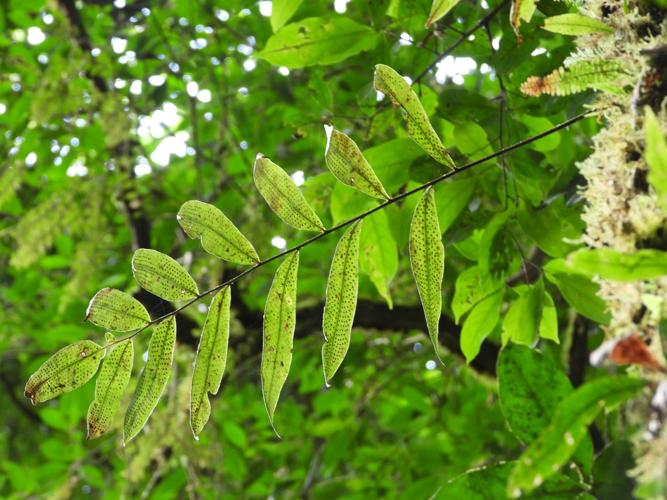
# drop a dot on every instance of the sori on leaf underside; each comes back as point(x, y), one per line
point(117, 311)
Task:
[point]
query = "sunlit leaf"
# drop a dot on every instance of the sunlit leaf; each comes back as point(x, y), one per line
point(219, 236)
point(66, 370)
point(522, 321)
point(656, 155)
point(556, 444)
point(521, 10)
point(548, 328)
point(279, 323)
point(282, 11)
point(575, 25)
point(163, 276)
point(341, 301)
point(110, 386)
point(390, 83)
point(283, 196)
point(211, 360)
point(378, 257)
point(116, 311)
point(153, 378)
point(348, 164)
point(479, 324)
point(530, 386)
point(439, 9)
point(427, 258)
point(318, 40)
point(618, 266)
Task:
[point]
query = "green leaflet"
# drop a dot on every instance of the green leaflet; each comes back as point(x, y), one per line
point(219, 236)
point(439, 9)
point(617, 266)
point(548, 328)
point(111, 383)
point(211, 360)
point(479, 324)
point(318, 40)
point(116, 311)
point(522, 322)
point(521, 10)
point(279, 322)
point(153, 378)
point(163, 276)
point(390, 83)
point(282, 11)
point(378, 257)
point(452, 198)
point(470, 288)
point(66, 370)
point(341, 301)
point(579, 291)
point(427, 258)
point(530, 386)
point(348, 164)
point(283, 196)
point(656, 155)
point(575, 25)
point(556, 444)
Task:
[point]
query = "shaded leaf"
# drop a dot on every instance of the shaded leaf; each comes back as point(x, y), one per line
point(283, 196)
point(211, 359)
point(575, 25)
point(479, 324)
point(348, 164)
point(317, 40)
point(117, 311)
point(656, 155)
point(110, 386)
point(618, 266)
point(282, 11)
point(452, 198)
point(219, 236)
point(471, 287)
point(378, 256)
point(439, 9)
point(489, 483)
point(163, 276)
point(530, 386)
point(427, 258)
point(66, 370)
point(390, 83)
point(279, 323)
point(521, 10)
point(341, 301)
point(578, 291)
point(153, 378)
point(556, 444)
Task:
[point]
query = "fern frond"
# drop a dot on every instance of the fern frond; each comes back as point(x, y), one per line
point(10, 180)
point(583, 75)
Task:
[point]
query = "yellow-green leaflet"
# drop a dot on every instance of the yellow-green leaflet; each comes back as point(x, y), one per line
point(219, 236)
point(116, 311)
point(163, 276)
point(348, 164)
point(211, 360)
point(153, 378)
point(341, 301)
point(283, 196)
point(279, 322)
point(427, 257)
point(110, 386)
point(439, 9)
point(66, 370)
point(420, 130)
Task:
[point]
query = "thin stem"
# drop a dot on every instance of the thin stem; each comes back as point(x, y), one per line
point(359, 217)
point(481, 23)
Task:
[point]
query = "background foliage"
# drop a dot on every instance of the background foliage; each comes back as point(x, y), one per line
point(113, 115)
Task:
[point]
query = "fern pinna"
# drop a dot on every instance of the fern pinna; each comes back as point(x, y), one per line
point(117, 311)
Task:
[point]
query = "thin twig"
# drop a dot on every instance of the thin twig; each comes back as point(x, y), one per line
point(359, 217)
point(481, 23)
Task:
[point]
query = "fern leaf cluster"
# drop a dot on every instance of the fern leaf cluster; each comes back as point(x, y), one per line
point(583, 75)
point(163, 276)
